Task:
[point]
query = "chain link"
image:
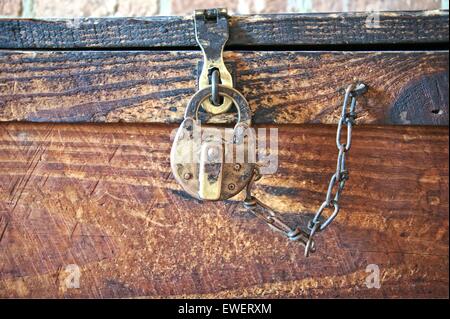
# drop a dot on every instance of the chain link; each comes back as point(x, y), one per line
point(337, 182)
point(272, 218)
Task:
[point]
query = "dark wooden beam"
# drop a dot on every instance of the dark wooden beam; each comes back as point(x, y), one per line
point(408, 88)
point(102, 197)
point(272, 30)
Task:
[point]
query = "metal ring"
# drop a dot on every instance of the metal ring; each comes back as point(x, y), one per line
point(342, 118)
point(331, 184)
point(340, 164)
point(243, 109)
point(341, 186)
point(310, 244)
point(332, 216)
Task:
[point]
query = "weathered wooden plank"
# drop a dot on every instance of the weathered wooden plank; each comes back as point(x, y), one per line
point(258, 30)
point(281, 87)
point(102, 197)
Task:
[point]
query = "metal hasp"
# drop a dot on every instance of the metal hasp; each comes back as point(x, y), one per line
point(211, 32)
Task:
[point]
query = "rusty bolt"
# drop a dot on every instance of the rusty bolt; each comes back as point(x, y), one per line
point(237, 167)
point(231, 187)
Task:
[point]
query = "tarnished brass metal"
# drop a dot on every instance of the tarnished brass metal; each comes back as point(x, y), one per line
point(211, 169)
point(211, 32)
point(203, 157)
point(213, 165)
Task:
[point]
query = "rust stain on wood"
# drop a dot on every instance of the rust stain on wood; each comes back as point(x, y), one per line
point(126, 225)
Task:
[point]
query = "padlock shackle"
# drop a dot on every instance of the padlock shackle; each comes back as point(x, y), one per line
point(244, 112)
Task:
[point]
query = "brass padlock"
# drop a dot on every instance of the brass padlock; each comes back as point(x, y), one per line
point(212, 165)
point(213, 162)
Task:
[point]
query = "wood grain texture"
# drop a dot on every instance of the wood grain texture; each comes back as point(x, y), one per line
point(103, 197)
point(249, 31)
point(282, 87)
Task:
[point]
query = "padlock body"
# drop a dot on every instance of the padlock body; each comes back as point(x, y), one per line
point(208, 162)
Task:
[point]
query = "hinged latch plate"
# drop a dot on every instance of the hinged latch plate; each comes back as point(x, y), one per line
point(211, 32)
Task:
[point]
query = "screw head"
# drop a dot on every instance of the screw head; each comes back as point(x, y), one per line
point(231, 187)
point(187, 176)
point(237, 167)
point(213, 153)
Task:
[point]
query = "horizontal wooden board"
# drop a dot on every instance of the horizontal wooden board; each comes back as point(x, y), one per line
point(249, 31)
point(102, 197)
point(281, 87)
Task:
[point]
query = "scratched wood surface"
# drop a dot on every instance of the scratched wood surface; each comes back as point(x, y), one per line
point(408, 87)
point(101, 196)
point(282, 30)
